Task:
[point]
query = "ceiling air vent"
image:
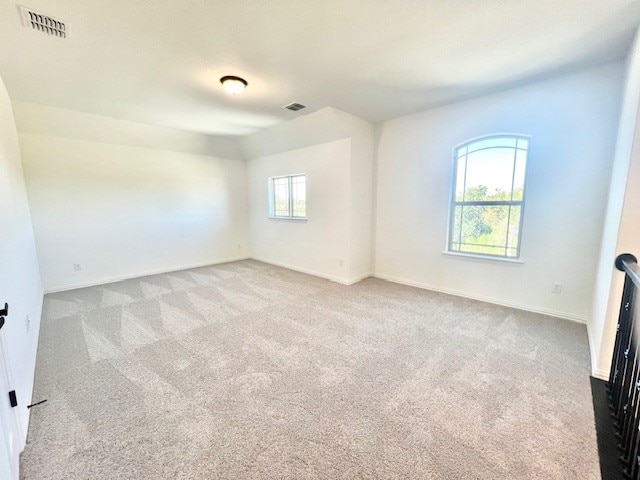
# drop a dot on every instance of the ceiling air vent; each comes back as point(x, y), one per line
point(294, 107)
point(43, 23)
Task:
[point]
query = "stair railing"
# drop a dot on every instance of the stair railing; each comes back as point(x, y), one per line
point(624, 377)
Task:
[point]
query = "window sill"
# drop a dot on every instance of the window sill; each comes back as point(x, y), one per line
point(289, 219)
point(484, 257)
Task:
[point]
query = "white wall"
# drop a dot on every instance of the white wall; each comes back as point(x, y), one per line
point(336, 152)
point(123, 211)
point(60, 122)
point(19, 279)
point(305, 130)
point(317, 245)
point(573, 121)
point(621, 232)
point(361, 191)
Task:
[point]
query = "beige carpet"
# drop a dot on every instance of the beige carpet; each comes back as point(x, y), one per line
point(249, 371)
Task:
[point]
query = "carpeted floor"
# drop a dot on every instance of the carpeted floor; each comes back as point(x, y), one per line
point(249, 371)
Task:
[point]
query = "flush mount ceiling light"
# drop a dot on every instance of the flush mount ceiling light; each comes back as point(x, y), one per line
point(234, 85)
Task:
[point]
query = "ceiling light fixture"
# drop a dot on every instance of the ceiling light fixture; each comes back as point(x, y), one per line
point(234, 85)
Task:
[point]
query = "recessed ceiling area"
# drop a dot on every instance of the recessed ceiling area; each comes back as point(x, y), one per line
point(160, 63)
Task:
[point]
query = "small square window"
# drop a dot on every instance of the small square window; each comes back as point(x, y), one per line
point(288, 197)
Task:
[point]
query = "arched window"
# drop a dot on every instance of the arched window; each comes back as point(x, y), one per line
point(487, 198)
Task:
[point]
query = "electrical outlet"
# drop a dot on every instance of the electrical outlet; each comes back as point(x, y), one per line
point(556, 288)
point(340, 262)
point(77, 267)
point(27, 323)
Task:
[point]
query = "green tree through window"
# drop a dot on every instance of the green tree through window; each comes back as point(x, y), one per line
point(488, 196)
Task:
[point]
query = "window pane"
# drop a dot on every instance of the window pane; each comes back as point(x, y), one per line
point(518, 177)
point(299, 193)
point(514, 231)
point(489, 174)
point(456, 223)
point(484, 229)
point(281, 197)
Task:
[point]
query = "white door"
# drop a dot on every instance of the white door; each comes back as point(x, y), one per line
point(10, 435)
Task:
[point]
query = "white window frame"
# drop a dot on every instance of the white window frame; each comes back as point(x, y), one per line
point(272, 200)
point(453, 202)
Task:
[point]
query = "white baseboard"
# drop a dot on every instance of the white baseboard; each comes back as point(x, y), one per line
point(601, 374)
point(482, 298)
point(118, 278)
point(357, 279)
point(334, 278)
point(315, 273)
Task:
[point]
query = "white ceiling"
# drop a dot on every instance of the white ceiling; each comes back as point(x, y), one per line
point(159, 61)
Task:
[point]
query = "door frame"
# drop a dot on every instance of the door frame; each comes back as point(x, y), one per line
point(11, 430)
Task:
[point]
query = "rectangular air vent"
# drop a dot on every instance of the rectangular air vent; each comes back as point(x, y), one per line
point(43, 23)
point(294, 107)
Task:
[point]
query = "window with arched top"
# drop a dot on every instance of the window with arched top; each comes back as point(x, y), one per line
point(488, 194)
